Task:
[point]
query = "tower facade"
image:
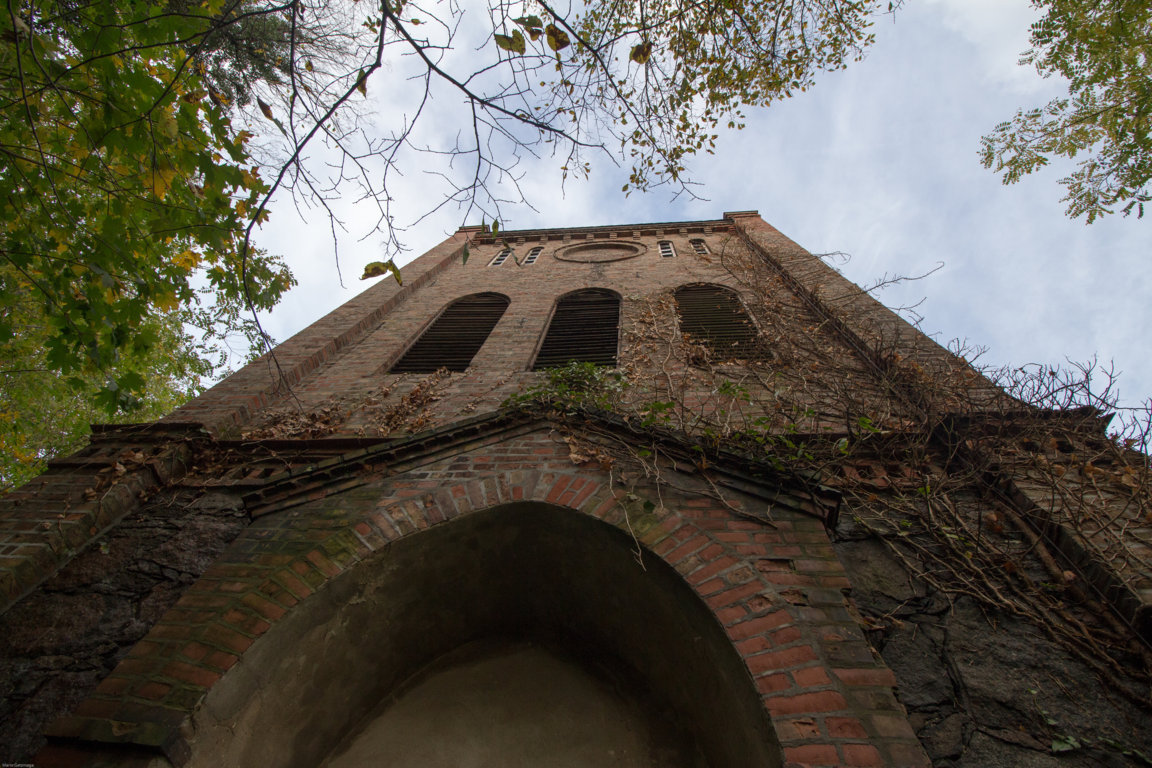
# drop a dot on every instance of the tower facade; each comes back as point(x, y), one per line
point(657, 494)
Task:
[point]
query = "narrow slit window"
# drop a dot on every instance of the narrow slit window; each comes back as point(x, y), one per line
point(585, 328)
point(713, 317)
point(533, 255)
point(700, 247)
point(666, 249)
point(501, 257)
point(456, 336)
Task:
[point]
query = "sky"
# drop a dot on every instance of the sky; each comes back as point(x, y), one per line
point(878, 162)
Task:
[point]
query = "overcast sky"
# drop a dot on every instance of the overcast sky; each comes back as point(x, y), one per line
point(879, 162)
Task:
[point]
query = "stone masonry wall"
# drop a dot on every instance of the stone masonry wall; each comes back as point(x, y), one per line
point(987, 686)
point(59, 642)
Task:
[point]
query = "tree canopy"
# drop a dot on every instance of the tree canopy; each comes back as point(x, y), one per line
point(43, 415)
point(121, 182)
point(142, 142)
point(1104, 49)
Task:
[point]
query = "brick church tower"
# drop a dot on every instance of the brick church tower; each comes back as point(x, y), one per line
point(669, 494)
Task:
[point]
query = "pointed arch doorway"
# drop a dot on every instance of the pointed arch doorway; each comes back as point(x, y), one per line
point(521, 635)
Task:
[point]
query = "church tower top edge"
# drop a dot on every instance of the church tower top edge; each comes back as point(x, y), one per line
point(647, 228)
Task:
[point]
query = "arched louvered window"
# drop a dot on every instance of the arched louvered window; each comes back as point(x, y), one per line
point(666, 249)
point(533, 255)
point(501, 257)
point(700, 247)
point(713, 316)
point(584, 329)
point(456, 336)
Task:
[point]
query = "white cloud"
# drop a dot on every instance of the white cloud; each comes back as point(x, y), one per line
point(998, 32)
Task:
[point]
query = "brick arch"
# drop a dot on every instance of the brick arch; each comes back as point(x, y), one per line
point(805, 665)
point(705, 284)
point(463, 572)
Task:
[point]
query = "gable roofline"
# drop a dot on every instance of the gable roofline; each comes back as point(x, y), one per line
point(740, 472)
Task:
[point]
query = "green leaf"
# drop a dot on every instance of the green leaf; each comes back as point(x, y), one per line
point(529, 22)
point(130, 381)
point(464, 257)
point(557, 38)
point(514, 43)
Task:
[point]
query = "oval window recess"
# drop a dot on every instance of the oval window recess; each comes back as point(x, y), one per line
point(600, 253)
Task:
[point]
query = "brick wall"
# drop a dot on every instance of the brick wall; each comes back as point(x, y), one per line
point(812, 370)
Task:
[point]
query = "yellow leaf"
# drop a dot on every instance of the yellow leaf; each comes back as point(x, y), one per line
point(251, 179)
point(557, 38)
point(162, 177)
point(188, 260)
point(166, 125)
point(513, 43)
point(165, 302)
point(378, 268)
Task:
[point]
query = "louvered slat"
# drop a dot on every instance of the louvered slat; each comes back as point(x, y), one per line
point(584, 328)
point(457, 335)
point(714, 317)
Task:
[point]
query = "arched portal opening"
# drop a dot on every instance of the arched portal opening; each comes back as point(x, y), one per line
point(506, 703)
point(529, 600)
